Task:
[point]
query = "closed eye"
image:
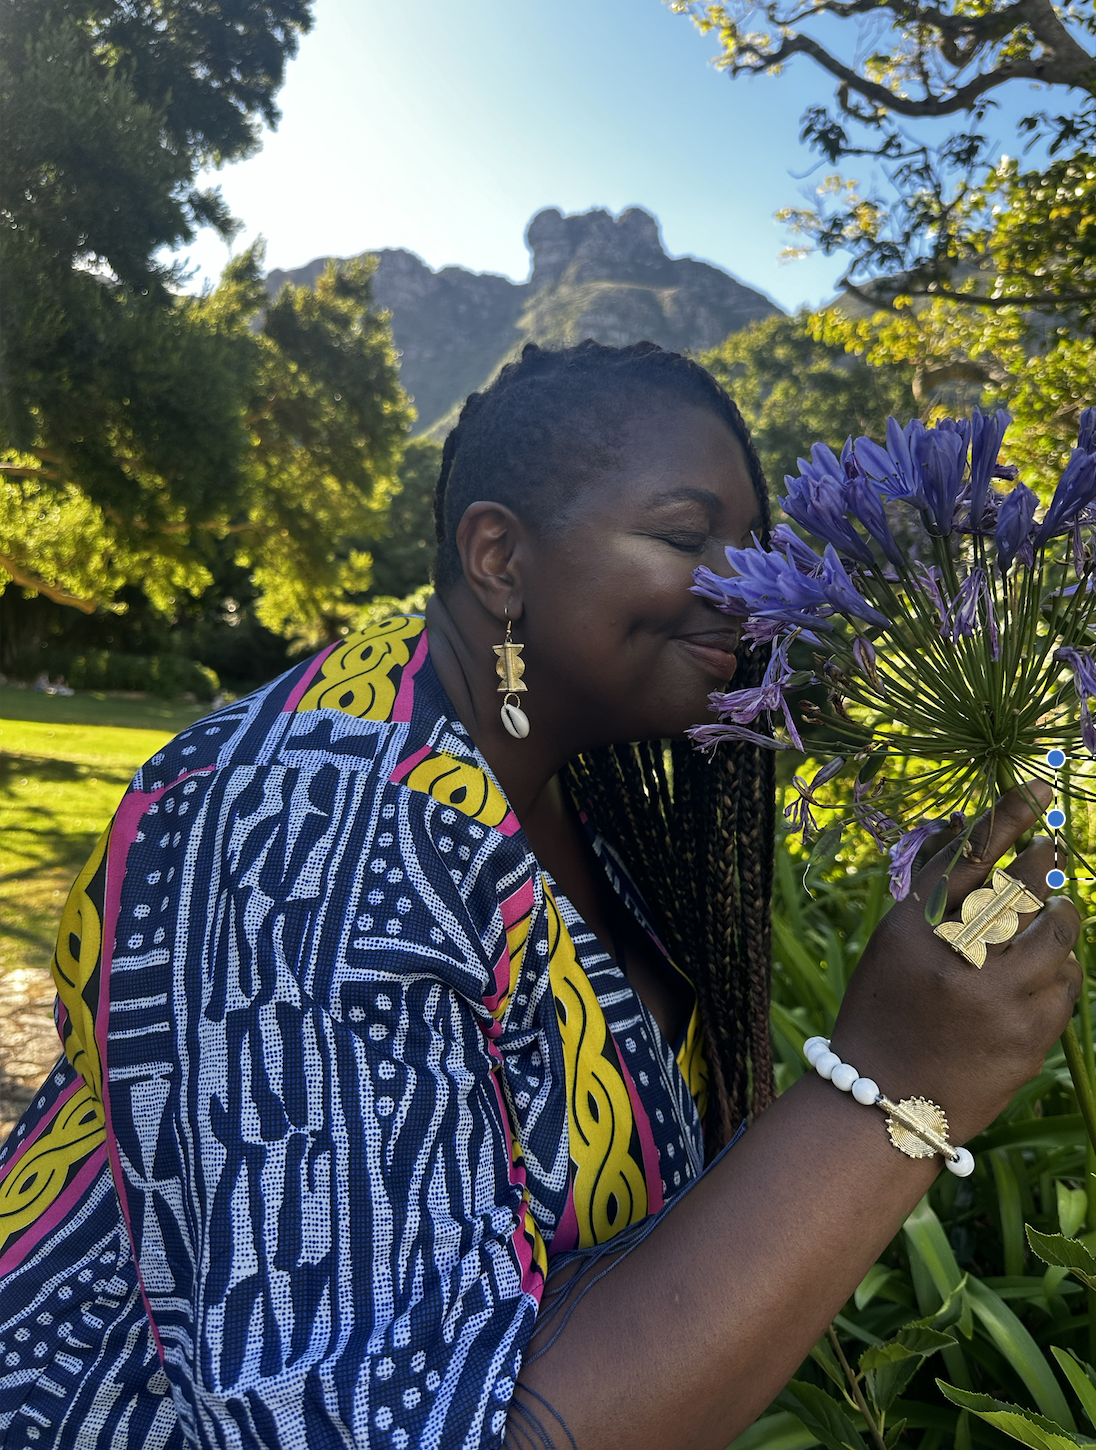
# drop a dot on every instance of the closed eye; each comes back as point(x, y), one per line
point(688, 543)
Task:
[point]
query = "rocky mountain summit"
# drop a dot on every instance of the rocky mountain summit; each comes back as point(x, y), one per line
point(593, 275)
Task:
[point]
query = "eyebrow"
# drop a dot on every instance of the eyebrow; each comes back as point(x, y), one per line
point(689, 495)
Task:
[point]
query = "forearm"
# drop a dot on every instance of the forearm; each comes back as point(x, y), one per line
point(696, 1330)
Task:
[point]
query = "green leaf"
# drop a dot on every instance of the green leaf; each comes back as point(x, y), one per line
point(937, 903)
point(894, 1434)
point(824, 1357)
point(1064, 1253)
point(1013, 1420)
point(929, 1247)
point(822, 1415)
point(872, 1284)
point(781, 1431)
point(1065, 1130)
point(1072, 1207)
point(1081, 1377)
point(1013, 1341)
point(887, 1371)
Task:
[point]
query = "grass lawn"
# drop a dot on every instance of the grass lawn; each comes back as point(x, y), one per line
point(64, 765)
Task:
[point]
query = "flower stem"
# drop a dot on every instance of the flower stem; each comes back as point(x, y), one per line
point(1086, 1096)
point(857, 1392)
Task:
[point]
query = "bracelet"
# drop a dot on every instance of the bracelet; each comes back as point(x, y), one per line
point(917, 1127)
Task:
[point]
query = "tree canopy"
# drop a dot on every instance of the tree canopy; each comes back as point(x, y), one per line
point(144, 432)
point(953, 217)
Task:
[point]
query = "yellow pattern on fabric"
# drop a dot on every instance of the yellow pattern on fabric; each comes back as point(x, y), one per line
point(362, 675)
point(458, 784)
point(35, 1180)
point(76, 960)
point(693, 1063)
point(610, 1188)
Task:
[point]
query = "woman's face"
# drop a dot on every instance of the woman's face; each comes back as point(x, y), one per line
point(608, 621)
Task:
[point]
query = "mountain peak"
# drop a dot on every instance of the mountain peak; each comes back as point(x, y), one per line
point(595, 246)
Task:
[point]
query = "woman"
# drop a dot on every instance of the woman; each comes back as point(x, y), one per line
point(399, 1026)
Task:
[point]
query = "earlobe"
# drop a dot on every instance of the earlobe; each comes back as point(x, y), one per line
point(490, 540)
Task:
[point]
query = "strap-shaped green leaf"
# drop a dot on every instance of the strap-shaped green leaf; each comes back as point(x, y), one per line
point(782, 1431)
point(1013, 1341)
point(1081, 1377)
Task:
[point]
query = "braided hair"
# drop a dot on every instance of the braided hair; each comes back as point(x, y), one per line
point(696, 832)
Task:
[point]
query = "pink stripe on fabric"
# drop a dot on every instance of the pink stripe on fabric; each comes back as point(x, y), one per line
point(518, 904)
point(566, 1235)
point(401, 710)
point(532, 1280)
point(73, 1087)
point(509, 825)
point(299, 690)
point(652, 1164)
point(405, 767)
point(59, 1210)
point(122, 836)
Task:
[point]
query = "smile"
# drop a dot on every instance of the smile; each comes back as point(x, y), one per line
point(715, 650)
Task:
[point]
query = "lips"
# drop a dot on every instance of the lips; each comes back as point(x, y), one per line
point(715, 649)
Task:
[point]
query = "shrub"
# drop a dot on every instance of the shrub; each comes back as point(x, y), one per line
point(166, 675)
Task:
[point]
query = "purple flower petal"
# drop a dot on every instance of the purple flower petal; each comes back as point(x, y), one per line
point(839, 591)
point(1015, 525)
point(1076, 490)
point(902, 856)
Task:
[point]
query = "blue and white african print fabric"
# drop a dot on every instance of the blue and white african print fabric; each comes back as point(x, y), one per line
point(340, 1074)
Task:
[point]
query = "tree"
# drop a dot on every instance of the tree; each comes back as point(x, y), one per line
point(141, 429)
point(957, 220)
point(276, 425)
point(794, 388)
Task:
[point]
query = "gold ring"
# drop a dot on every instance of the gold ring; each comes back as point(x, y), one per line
point(990, 914)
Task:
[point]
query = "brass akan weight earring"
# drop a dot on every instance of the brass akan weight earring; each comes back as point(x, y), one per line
point(510, 667)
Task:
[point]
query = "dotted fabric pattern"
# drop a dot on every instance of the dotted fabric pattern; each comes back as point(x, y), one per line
point(337, 1125)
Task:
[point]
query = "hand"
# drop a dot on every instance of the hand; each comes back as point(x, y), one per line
point(921, 1021)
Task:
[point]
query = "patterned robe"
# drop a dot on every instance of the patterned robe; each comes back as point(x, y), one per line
point(342, 1074)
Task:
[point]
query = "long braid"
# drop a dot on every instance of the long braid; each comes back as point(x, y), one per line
point(698, 835)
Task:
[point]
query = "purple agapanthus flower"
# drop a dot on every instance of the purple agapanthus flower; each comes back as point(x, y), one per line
point(1086, 433)
point(742, 707)
point(863, 652)
point(767, 584)
point(942, 454)
point(898, 466)
point(799, 815)
point(788, 542)
point(962, 621)
point(706, 737)
point(929, 578)
point(866, 503)
point(902, 856)
point(1082, 664)
point(818, 502)
point(1088, 728)
point(1076, 490)
point(986, 436)
point(839, 591)
point(1015, 526)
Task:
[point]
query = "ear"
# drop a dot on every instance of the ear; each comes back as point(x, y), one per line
point(492, 544)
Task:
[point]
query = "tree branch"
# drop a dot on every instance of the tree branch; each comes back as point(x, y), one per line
point(962, 99)
point(28, 579)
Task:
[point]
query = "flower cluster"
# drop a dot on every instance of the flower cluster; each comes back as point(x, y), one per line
point(934, 629)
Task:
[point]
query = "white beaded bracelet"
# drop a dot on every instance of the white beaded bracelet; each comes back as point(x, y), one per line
point(917, 1127)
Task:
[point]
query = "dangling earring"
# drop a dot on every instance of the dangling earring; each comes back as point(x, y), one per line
point(510, 667)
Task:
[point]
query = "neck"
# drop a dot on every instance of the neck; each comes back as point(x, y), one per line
point(462, 634)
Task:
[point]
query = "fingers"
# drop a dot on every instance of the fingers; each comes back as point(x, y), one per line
point(1033, 863)
point(1044, 949)
point(998, 829)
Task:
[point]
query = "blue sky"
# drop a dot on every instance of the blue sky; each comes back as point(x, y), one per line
point(443, 127)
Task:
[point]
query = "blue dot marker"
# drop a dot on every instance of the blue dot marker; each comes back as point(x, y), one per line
point(1056, 819)
point(1056, 879)
point(1056, 759)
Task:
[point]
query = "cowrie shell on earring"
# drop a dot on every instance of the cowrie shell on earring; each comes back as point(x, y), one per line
point(515, 720)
